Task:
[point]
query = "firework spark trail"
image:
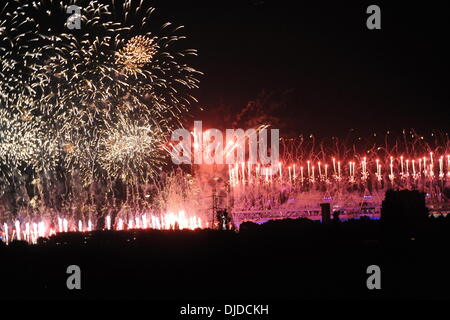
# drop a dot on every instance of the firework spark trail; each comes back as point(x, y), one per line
point(130, 151)
point(17, 36)
point(104, 80)
point(345, 174)
point(400, 170)
point(19, 139)
point(24, 144)
point(81, 110)
point(84, 81)
point(31, 232)
point(110, 62)
point(348, 181)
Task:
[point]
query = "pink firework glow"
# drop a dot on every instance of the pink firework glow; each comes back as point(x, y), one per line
point(30, 232)
point(352, 181)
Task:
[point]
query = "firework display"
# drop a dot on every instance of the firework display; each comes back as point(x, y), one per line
point(84, 110)
point(135, 54)
point(17, 56)
point(308, 174)
point(85, 120)
point(352, 176)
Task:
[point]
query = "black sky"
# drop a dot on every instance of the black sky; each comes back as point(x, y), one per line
point(342, 74)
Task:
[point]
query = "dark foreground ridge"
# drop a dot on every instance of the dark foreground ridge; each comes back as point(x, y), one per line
point(285, 259)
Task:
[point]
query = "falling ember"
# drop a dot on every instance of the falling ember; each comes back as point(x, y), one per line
point(108, 222)
point(18, 231)
point(401, 163)
point(309, 168)
point(441, 167)
point(391, 165)
point(41, 229)
point(35, 232)
point(448, 166)
point(65, 225)
point(339, 169)
point(144, 221)
point(5, 232)
point(27, 231)
point(281, 172)
point(60, 225)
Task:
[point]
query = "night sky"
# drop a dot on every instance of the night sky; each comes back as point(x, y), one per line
point(337, 74)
